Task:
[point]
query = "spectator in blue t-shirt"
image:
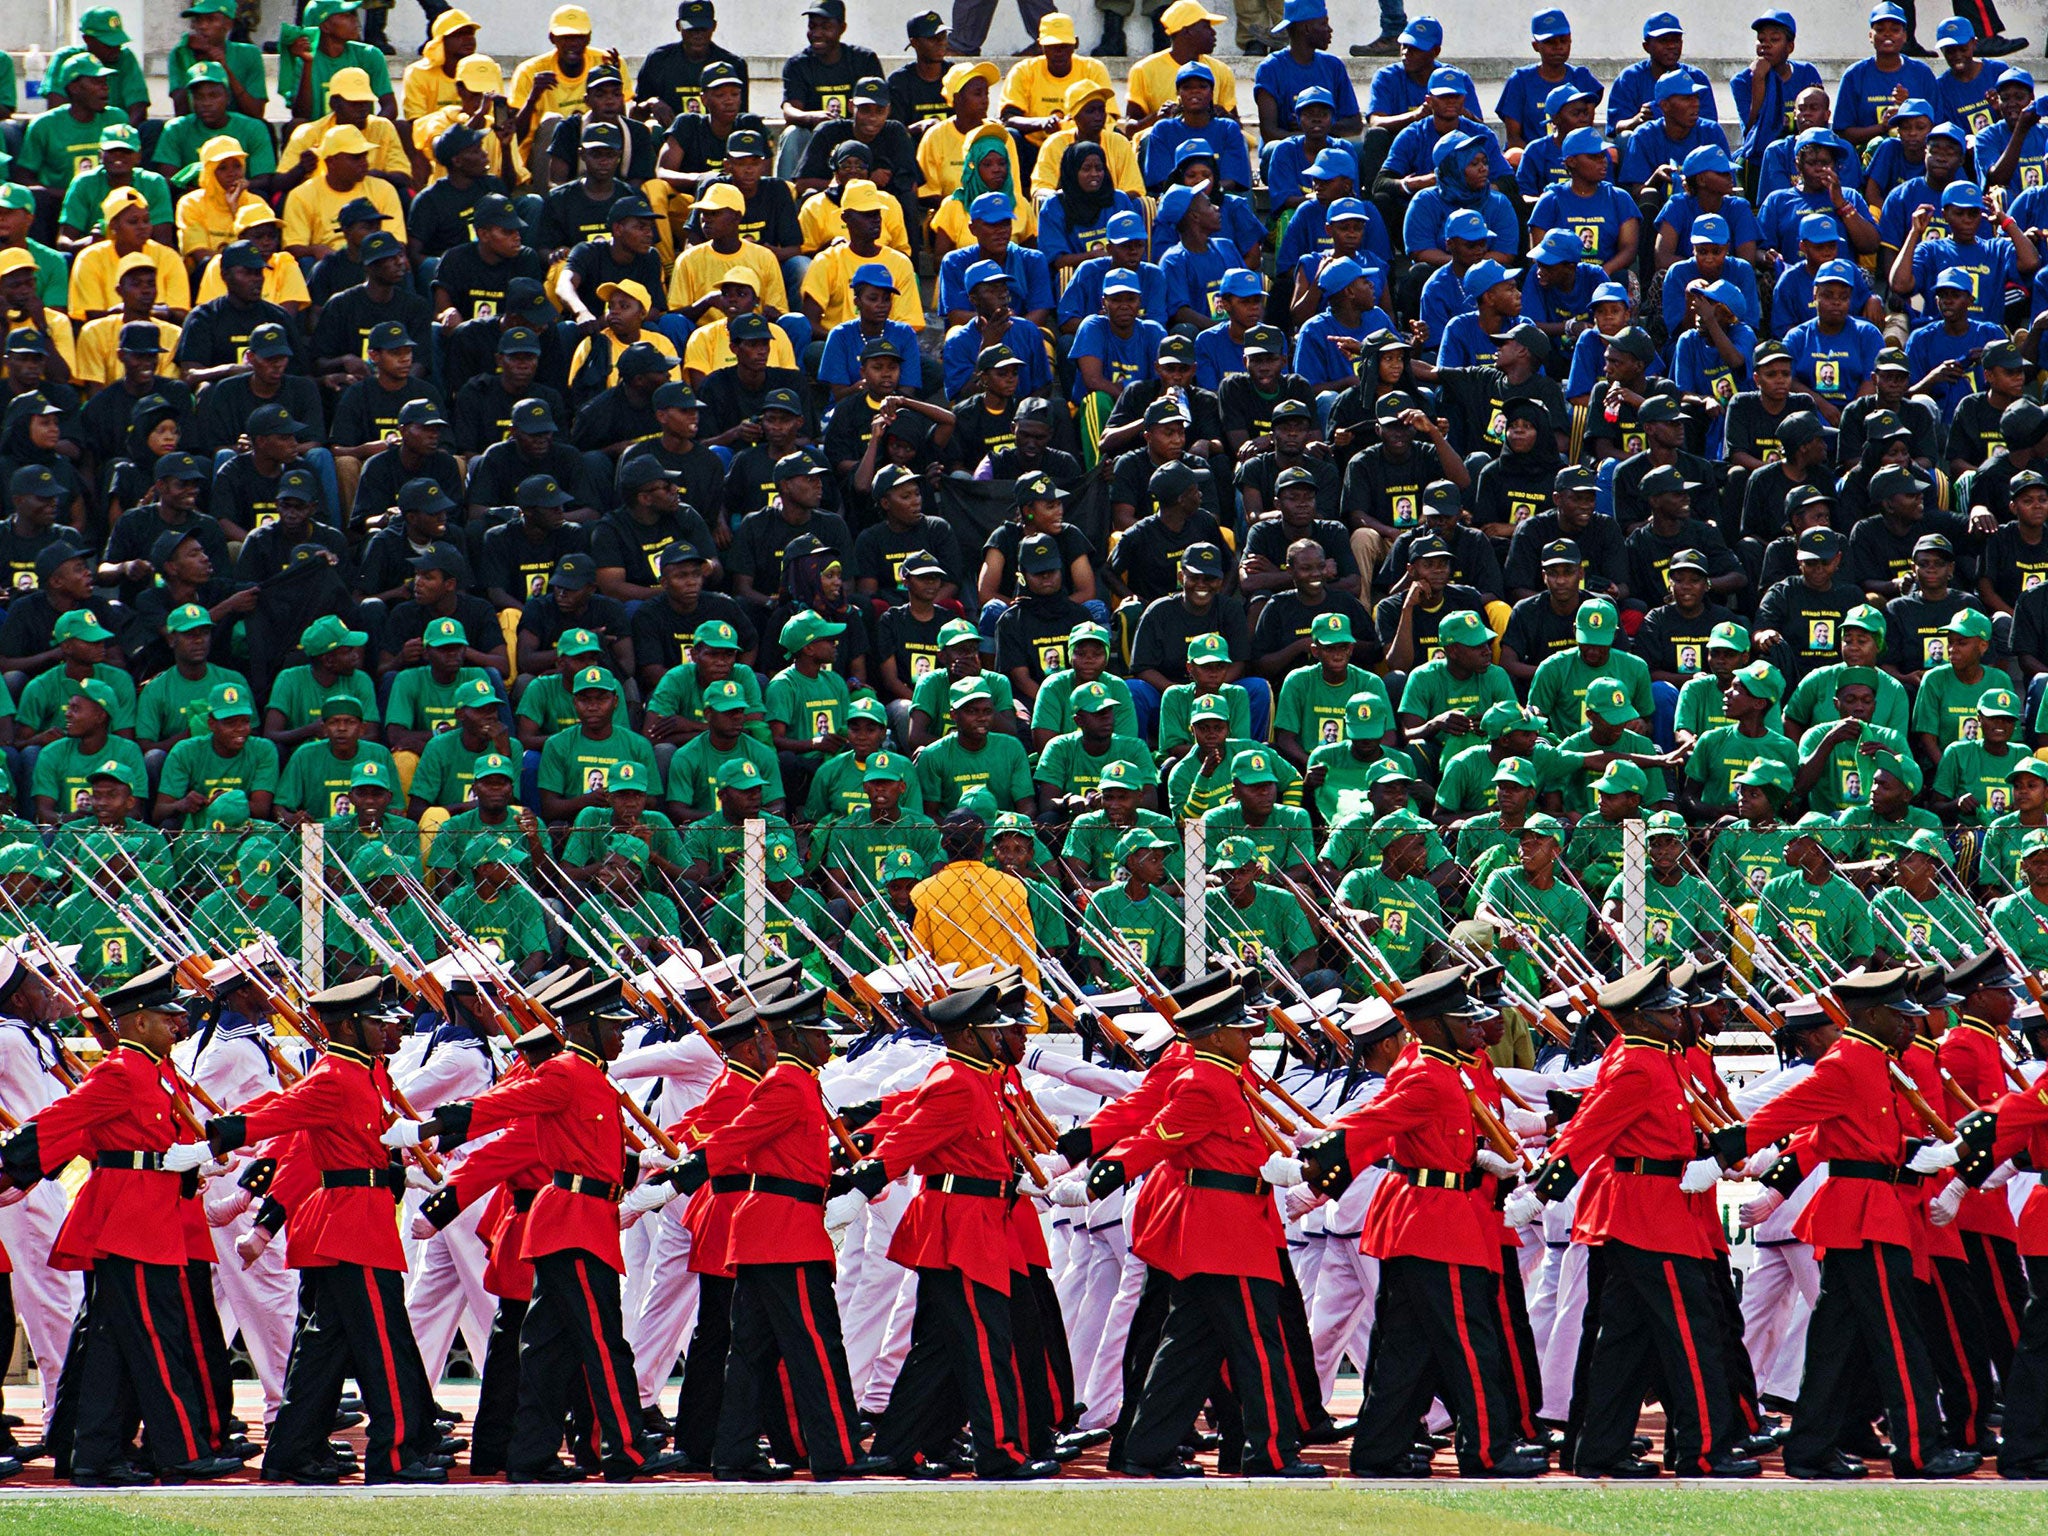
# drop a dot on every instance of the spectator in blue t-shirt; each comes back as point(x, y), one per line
point(1632, 99)
point(1709, 240)
point(1611, 310)
point(1944, 155)
point(1467, 237)
point(1461, 182)
point(1708, 181)
point(1304, 62)
point(1667, 141)
point(1542, 164)
point(1196, 119)
point(1819, 189)
point(874, 295)
point(1809, 111)
point(990, 221)
point(1901, 154)
point(1411, 159)
point(995, 324)
point(1496, 300)
point(1112, 350)
point(1864, 100)
point(1710, 359)
point(1834, 353)
point(1792, 297)
point(1604, 217)
point(1197, 257)
point(1992, 266)
point(1398, 92)
point(1963, 95)
point(1311, 232)
point(1073, 224)
point(1520, 108)
point(1943, 357)
point(1333, 175)
point(1558, 287)
point(1353, 312)
point(1765, 91)
point(1286, 163)
point(1346, 227)
point(1219, 351)
point(1082, 296)
point(2013, 152)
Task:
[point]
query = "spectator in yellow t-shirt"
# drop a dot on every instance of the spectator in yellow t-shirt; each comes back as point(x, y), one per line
point(95, 271)
point(310, 226)
point(352, 100)
point(1034, 96)
point(827, 295)
point(944, 145)
point(552, 85)
point(431, 83)
point(710, 344)
point(1191, 34)
point(700, 269)
point(821, 218)
point(102, 340)
point(284, 283)
point(1088, 111)
point(481, 104)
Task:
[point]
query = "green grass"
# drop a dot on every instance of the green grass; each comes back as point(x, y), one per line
point(1445, 1510)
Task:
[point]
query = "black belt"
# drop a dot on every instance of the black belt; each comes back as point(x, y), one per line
point(961, 1184)
point(1883, 1173)
point(1434, 1178)
point(768, 1184)
point(1654, 1167)
point(582, 1184)
point(138, 1162)
point(1235, 1183)
point(361, 1178)
point(522, 1199)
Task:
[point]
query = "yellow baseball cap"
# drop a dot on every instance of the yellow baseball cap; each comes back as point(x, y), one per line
point(1183, 14)
point(1056, 27)
point(342, 139)
point(351, 84)
point(745, 276)
point(569, 21)
point(959, 75)
point(859, 197)
point(120, 198)
point(479, 72)
point(254, 215)
point(631, 288)
point(1081, 92)
point(723, 194)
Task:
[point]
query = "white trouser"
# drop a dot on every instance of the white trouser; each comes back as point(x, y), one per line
point(261, 1301)
point(1541, 1292)
point(1777, 1303)
point(1105, 1392)
point(1340, 1309)
point(1560, 1351)
point(46, 1299)
point(668, 1301)
point(1087, 1286)
point(446, 1293)
point(868, 1301)
point(633, 1244)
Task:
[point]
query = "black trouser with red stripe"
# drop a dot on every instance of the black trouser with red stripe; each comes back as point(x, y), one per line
point(2025, 1428)
point(357, 1327)
point(1304, 1386)
point(1435, 1333)
point(962, 1357)
point(1214, 1320)
point(138, 1355)
point(2001, 1286)
point(1659, 1328)
point(1518, 1341)
point(787, 1310)
point(572, 1335)
point(1043, 1403)
point(1955, 1339)
point(1866, 1320)
point(1744, 1416)
point(703, 1389)
point(209, 1349)
point(497, 1398)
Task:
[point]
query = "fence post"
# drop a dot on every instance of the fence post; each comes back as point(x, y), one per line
point(754, 884)
point(1194, 888)
point(313, 903)
point(1635, 874)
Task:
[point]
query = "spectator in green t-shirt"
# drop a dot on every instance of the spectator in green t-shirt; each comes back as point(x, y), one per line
point(316, 782)
point(60, 144)
point(211, 116)
point(174, 701)
point(806, 700)
point(206, 41)
point(82, 643)
point(60, 783)
point(80, 220)
point(574, 764)
point(1315, 700)
point(1133, 933)
point(930, 714)
point(104, 39)
point(226, 758)
point(333, 664)
point(423, 698)
point(327, 41)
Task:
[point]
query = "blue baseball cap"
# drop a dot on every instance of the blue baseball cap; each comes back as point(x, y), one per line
point(872, 274)
point(1610, 293)
point(1565, 95)
point(2015, 77)
point(1548, 24)
point(1424, 32)
point(1314, 96)
point(1174, 203)
point(1197, 149)
point(1711, 229)
point(1962, 194)
point(1301, 10)
point(1339, 274)
point(1663, 24)
point(1884, 10)
point(1824, 138)
point(1120, 280)
point(983, 271)
point(1913, 106)
point(1776, 19)
point(1723, 292)
point(1482, 275)
point(1954, 277)
point(1583, 141)
point(992, 208)
point(1676, 82)
point(1345, 208)
point(1558, 248)
point(1126, 224)
point(1241, 283)
point(1467, 224)
point(1708, 157)
point(1329, 165)
point(1952, 133)
point(1194, 69)
point(1843, 272)
point(1955, 32)
point(1452, 147)
point(1446, 82)
point(1820, 229)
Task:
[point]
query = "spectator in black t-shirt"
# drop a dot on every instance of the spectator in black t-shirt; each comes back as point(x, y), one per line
point(694, 149)
point(186, 575)
point(1032, 452)
point(892, 154)
point(700, 473)
point(1264, 566)
point(1572, 515)
point(417, 453)
point(1031, 633)
point(372, 409)
point(615, 419)
point(1159, 649)
point(215, 335)
point(385, 570)
point(60, 581)
point(571, 601)
point(628, 253)
point(628, 542)
point(245, 488)
point(1546, 622)
point(1673, 636)
point(444, 215)
point(750, 479)
point(103, 423)
point(663, 625)
point(220, 416)
point(917, 91)
point(1280, 635)
point(1146, 560)
point(581, 210)
point(474, 274)
point(604, 101)
point(906, 643)
point(268, 550)
point(755, 558)
point(128, 564)
point(1175, 377)
point(883, 552)
point(1247, 399)
point(985, 422)
point(1407, 627)
point(342, 337)
point(531, 448)
point(1130, 483)
point(1294, 424)
point(437, 594)
point(518, 557)
point(484, 404)
point(675, 73)
point(733, 396)
point(1041, 511)
point(817, 84)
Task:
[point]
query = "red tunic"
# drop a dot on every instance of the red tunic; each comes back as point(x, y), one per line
point(1706, 1077)
point(1636, 1110)
point(2023, 1127)
point(1423, 1119)
point(1929, 1241)
point(577, 1128)
point(1206, 1126)
point(1970, 1053)
point(1847, 1104)
point(708, 1217)
point(122, 1105)
point(338, 1110)
point(952, 1123)
point(784, 1134)
point(507, 1171)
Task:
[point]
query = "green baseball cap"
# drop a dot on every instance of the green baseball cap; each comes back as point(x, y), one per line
point(578, 642)
point(593, 680)
point(1728, 637)
point(1464, 628)
point(1362, 717)
point(2033, 843)
point(1332, 629)
point(227, 700)
point(1900, 767)
point(625, 775)
point(256, 863)
point(1766, 773)
point(371, 773)
point(1508, 715)
point(869, 708)
point(494, 848)
point(725, 695)
point(631, 849)
point(2002, 702)
point(338, 703)
point(100, 692)
point(958, 632)
point(1206, 650)
point(2029, 768)
point(1863, 616)
point(1515, 770)
point(1210, 706)
point(1543, 824)
point(103, 25)
point(1609, 700)
point(1081, 634)
point(476, 693)
point(1666, 824)
point(329, 633)
point(1597, 623)
point(967, 689)
point(376, 860)
point(1234, 853)
point(493, 765)
point(1254, 765)
point(886, 768)
point(1123, 774)
point(781, 855)
point(444, 632)
point(741, 773)
point(805, 627)
point(81, 624)
point(1622, 779)
point(227, 811)
point(1137, 840)
point(1761, 679)
point(1971, 623)
point(901, 864)
point(114, 768)
point(1933, 844)
point(187, 617)
point(1091, 699)
point(1388, 770)
point(716, 635)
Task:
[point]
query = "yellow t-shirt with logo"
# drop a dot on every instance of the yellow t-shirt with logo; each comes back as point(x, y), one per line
point(387, 150)
point(1035, 91)
point(92, 278)
point(1152, 77)
point(97, 343)
point(699, 269)
point(709, 350)
point(830, 282)
point(310, 209)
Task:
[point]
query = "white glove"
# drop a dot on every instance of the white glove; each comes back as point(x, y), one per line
point(1762, 1163)
point(650, 1195)
point(213, 1168)
point(1070, 1190)
point(1053, 1165)
point(224, 1208)
point(417, 1177)
point(1932, 1158)
point(1701, 1175)
point(1522, 1206)
point(1492, 1162)
point(840, 1210)
point(422, 1229)
point(186, 1156)
point(250, 1246)
point(1281, 1171)
point(1525, 1122)
point(2000, 1176)
point(1757, 1207)
point(401, 1133)
point(12, 1196)
point(1941, 1210)
point(1300, 1200)
point(654, 1160)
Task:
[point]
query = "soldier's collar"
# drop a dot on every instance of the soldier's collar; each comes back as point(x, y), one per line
point(1922, 1041)
point(1981, 1026)
point(969, 1062)
point(348, 1053)
point(142, 1050)
point(1650, 1043)
point(586, 1053)
point(1438, 1053)
point(1861, 1036)
point(742, 1069)
point(1215, 1060)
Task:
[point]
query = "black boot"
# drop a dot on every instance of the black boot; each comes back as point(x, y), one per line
point(1111, 45)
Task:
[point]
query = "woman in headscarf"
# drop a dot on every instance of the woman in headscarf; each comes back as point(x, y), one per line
point(206, 214)
point(1518, 484)
point(1383, 369)
point(29, 433)
point(814, 579)
point(1889, 441)
point(152, 432)
point(985, 166)
point(1074, 223)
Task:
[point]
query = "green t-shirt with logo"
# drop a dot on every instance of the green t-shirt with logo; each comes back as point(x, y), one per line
point(1053, 709)
point(1577, 784)
point(419, 703)
point(679, 694)
point(1866, 835)
point(171, 701)
point(1178, 702)
point(1701, 709)
point(1285, 842)
point(1349, 842)
point(1067, 765)
point(297, 695)
point(1946, 706)
point(109, 952)
point(446, 768)
point(56, 146)
point(1150, 925)
point(809, 706)
point(1192, 790)
point(1467, 782)
point(1558, 690)
point(42, 703)
point(63, 772)
point(1314, 709)
point(1832, 917)
point(1746, 858)
point(1411, 918)
point(1845, 781)
point(1677, 918)
point(511, 923)
point(345, 838)
point(1944, 924)
point(1722, 753)
point(1344, 790)
point(837, 789)
point(317, 782)
point(1431, 690)
point(1813, 699)
point(946, 771)
point(573, 763)
point(932, 698)
point(856, 844)
point(453, 837)
point(193, 764)
point(713, 840)
point(693, 770)
point(594, 824)
point(1092, 839)
point(1970, 768)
